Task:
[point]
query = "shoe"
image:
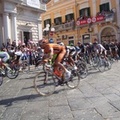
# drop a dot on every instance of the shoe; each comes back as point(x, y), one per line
point(60, 82)
point(74, 67)
point(67, 75)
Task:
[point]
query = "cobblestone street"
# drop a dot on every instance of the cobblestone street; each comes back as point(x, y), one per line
point(96, 98)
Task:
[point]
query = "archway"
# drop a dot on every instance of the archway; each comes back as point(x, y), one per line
point(108, 34)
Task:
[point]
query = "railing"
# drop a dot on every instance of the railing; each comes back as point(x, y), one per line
point(65, 26)
point(41, 6)
point(99, 18)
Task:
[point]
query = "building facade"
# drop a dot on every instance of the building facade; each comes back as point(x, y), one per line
point(83, 20)
point(20, 20)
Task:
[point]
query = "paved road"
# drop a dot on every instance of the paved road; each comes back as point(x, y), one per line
point(97, 98)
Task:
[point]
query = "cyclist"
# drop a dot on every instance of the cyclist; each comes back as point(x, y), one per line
point(99, 49)
point(71, 53)
point(4, 56)
point(49, 50)
point(114, 50)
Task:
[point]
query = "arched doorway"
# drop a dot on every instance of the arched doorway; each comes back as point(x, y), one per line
point(108, 35)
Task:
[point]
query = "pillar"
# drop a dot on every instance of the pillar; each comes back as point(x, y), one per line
point(14, 28)
point(6, 27)
point(40, 35)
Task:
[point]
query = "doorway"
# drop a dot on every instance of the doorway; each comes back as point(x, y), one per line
point(26, 37)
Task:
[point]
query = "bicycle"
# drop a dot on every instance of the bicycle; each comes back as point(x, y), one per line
point(104, 63)
point(7, 70)
point(47, 80)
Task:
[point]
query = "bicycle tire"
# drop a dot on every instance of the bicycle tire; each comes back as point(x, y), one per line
point(44, 87)
point(74, 80)
point(1, 80)
point(82, 69)
point(108, 64)
point(101, 65)
point(94, 61)
point(11, 73)
point(25, 67)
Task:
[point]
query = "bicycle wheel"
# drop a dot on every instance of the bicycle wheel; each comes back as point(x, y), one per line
point(108, 64)
point(94, 61)
point(11, 73)
point(101, 65)
point(44, 83)
point(1, 78)
point(82, 68)
point(25, 67)
point(74, 79)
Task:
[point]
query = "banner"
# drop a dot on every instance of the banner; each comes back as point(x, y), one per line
point(90, 20)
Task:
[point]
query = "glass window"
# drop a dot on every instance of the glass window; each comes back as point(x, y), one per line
point(104, 7)
point(48, 21)
point(69, 17)
point(84, 12)
point(58, 20)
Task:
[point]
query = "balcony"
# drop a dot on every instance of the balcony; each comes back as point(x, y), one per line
point(65, 26)
point(37, 5)
point(99, 18)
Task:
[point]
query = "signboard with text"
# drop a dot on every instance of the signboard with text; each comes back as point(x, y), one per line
point(90, 20)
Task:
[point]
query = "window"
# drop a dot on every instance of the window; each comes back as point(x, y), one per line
point(69, 17)
point(48, 21)
point(104, 7)
point(85, 12)
point(58, 20)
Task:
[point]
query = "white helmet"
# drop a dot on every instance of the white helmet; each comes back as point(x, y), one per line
point(61, 43)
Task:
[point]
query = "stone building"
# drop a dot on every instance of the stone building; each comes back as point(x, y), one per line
point(20, 20)
point(83, 20)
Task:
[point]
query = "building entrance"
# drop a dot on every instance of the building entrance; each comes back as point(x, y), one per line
point(108, 35)
point(26, 37)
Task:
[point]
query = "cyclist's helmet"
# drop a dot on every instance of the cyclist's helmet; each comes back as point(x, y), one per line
point(43, 41)
point(61, 43)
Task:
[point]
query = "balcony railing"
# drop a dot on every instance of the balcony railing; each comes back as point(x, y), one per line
point(65, 26)
point(42, 6)
point(99, 18)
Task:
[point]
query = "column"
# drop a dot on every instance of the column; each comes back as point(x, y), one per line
point(6, 27)
point(14, 27)
point(94, 4)
point(40, 32)
point(117, 15)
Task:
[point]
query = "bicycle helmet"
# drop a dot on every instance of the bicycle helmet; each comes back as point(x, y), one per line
point(43, 41)
point(61, 43)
